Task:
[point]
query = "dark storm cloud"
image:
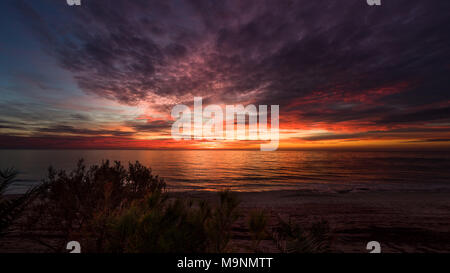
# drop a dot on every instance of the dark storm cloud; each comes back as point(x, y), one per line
point(432, 140)
point(360, 135)
point(420, 116)
point(150, 126)
point(11, 127)
point(81, 117)
point(272, 52)
point(378, 134)
point(11, 123)
point(335, 136)
point(57, 129)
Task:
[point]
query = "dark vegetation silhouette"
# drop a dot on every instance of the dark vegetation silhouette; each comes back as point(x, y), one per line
point(293, 238)
point(112, 208)
point(257, 224)
point(11, 207)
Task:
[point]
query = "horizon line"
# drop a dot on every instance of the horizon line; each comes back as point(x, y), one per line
point(349, 149)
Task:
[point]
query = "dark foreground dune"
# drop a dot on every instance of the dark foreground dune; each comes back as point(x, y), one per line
point(400, 221)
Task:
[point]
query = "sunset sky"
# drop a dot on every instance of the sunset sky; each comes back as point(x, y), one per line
point(107, 74)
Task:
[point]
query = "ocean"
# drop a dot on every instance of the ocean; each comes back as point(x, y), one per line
point(212, 170)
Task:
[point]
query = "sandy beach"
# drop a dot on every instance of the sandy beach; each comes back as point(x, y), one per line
point(399, 221)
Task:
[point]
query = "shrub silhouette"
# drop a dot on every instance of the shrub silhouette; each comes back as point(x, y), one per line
point(257, 225)
point(222, 219)
point(69, 202)
point(11, 208)
point(292, 238)
point(110, 208)
point(158, 224)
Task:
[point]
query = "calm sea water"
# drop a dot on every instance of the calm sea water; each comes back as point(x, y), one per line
point(254, 170)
